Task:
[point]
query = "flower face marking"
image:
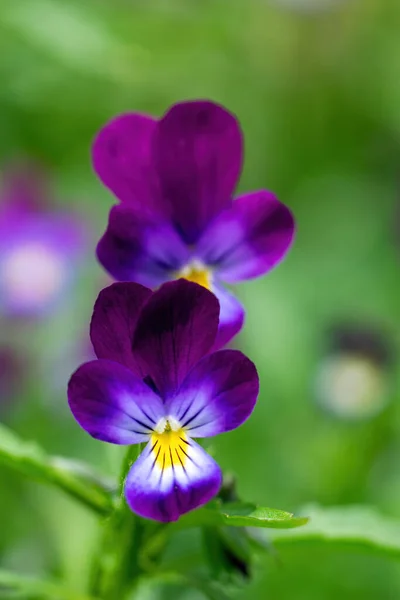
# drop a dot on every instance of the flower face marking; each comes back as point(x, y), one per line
point(156, 382)
point(169, 447)
point(175, 179)
point(196, 272)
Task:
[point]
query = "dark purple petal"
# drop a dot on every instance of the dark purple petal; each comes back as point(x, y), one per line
point(115, 315)
point(166, 494)
point(218, 395)
point(249, 239)
point(198, 157)
point(113, 405)
point(121, 157)
point(176, 328)
point(231, 316)
point(135, 248)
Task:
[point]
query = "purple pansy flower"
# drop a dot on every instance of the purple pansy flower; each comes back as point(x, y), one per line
point(175, 178)
point(155, 382)
point(38, 246)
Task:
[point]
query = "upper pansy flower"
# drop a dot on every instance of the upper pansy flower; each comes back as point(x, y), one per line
point(38, 245)
point(155, 382)
point(175, 178)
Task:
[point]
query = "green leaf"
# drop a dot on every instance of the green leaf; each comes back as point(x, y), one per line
point(360, 526)
point(240, 514)
point(73, 477)
point(21, 586)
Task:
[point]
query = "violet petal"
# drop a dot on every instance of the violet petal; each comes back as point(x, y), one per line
point(115, 315)
point(218, 395)
point(113, 405)
point(121, 157)
point(177, 327)
point(198, 157)
point(231, 317)
point(166, 494)
point(135, 248)
point(249, 239)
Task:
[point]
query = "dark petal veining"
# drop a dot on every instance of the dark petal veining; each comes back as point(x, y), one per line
point(218, 395)
point(165, 495)
point(177, 327)
point(112, 404)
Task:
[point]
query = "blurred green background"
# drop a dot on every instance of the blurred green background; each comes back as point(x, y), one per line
point(316, 87)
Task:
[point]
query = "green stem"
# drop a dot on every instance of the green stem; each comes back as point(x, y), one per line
point(29, 587)
point(74, 478)
point(116, 565)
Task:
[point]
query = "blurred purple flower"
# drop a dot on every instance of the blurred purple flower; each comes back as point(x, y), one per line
point(38, 245)
point(175, 178)
point(155, 382)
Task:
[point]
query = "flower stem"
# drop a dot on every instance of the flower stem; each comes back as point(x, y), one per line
point(116, 565)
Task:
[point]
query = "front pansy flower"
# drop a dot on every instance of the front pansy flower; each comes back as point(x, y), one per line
point(175, 178)
point(156, 382)
point(38, 246)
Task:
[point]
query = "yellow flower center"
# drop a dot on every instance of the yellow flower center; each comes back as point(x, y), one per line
point(169, 448)
point(196, 272)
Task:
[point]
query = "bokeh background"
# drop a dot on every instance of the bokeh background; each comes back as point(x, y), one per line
point(316, 87)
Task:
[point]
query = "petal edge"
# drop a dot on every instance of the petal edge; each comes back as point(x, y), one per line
point(115, 315)
point(166, 495)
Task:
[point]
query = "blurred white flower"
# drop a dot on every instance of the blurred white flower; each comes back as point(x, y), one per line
point(353, 380)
